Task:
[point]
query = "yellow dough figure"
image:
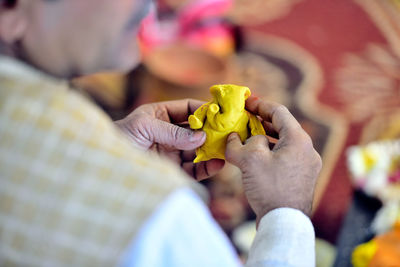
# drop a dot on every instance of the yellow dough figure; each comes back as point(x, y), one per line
point(223, 115)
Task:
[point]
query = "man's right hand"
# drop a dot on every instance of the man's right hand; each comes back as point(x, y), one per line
point(283, 176)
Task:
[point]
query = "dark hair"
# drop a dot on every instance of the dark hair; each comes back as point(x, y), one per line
point(11, 3)
point(8, 3)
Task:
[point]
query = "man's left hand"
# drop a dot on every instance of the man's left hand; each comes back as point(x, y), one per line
point(159, 127)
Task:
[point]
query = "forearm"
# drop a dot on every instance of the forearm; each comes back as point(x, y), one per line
point(285, 238)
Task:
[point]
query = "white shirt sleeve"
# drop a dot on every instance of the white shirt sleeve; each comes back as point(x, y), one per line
point(285, 238)
point(182, 233)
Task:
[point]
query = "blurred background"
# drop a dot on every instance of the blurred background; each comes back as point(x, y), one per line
point(334, 63)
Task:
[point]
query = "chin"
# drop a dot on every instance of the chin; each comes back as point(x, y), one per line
point(127, 64)
point(123, 64)
point(127, 58)
point(122, 57)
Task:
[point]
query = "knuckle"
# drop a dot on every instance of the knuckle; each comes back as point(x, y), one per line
point(317, 161)
point(177, 133)
point(141, 119)
point(281, 109)
point(303, 147)
point(144, 108)
point(248, 141)
point(305, 140)
point(255, 155)
point(258, 150)
point(141, 107)
point(256, 141)
point(232, 137)
point(234, 157)
point(306, 148)
point(229, 140)
point(230, 156)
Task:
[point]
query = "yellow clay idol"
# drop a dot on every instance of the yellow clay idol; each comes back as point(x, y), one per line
point(220, 117)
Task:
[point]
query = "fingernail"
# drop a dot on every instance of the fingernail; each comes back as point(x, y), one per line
point(232, 136)
point(196, 136)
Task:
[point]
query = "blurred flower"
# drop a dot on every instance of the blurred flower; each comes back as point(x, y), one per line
point(375, 169)
point(369, 166)
point(386, 217)
point(383, 250)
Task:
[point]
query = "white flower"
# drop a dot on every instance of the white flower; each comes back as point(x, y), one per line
point(386, 217)
point(371, 165)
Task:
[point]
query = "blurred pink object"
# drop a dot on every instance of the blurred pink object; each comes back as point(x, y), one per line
point(197, 11)
point(199, 24)
point(395, 177)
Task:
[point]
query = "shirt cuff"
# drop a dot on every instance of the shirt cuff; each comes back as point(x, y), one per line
point(285, 237)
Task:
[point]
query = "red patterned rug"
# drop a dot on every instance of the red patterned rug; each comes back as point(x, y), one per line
point(339, 64)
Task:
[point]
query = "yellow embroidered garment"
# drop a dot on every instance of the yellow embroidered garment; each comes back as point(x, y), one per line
point(220, 117)
point(73, 192)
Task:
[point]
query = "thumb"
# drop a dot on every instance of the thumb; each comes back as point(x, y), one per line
point(171, 135)
point(233, 147)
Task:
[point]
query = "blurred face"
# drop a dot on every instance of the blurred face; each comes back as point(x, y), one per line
point(75, 37)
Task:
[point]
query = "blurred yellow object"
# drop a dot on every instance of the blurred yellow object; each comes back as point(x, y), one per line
point(369, 158)
point(395, 164)
point(397, 3)
point(108, 88)
point(392, 130)
point(220, 117)
point(325, 253)
point(383, 250)
point(363, 254)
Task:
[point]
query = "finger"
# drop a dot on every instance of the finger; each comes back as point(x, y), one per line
point(204, 169)
point(233, 148)
point(179, 110)
point(174, 136)
point(173, 154)
point(281, 119)
point(269, 129)
point(188, 155)
point(261, 141)
point(258, 141)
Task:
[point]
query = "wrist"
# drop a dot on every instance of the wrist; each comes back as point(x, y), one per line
point(261, 216)
point(305, 209)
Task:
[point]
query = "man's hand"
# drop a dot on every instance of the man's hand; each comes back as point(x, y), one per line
point(281, 176)
point(155, 127)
